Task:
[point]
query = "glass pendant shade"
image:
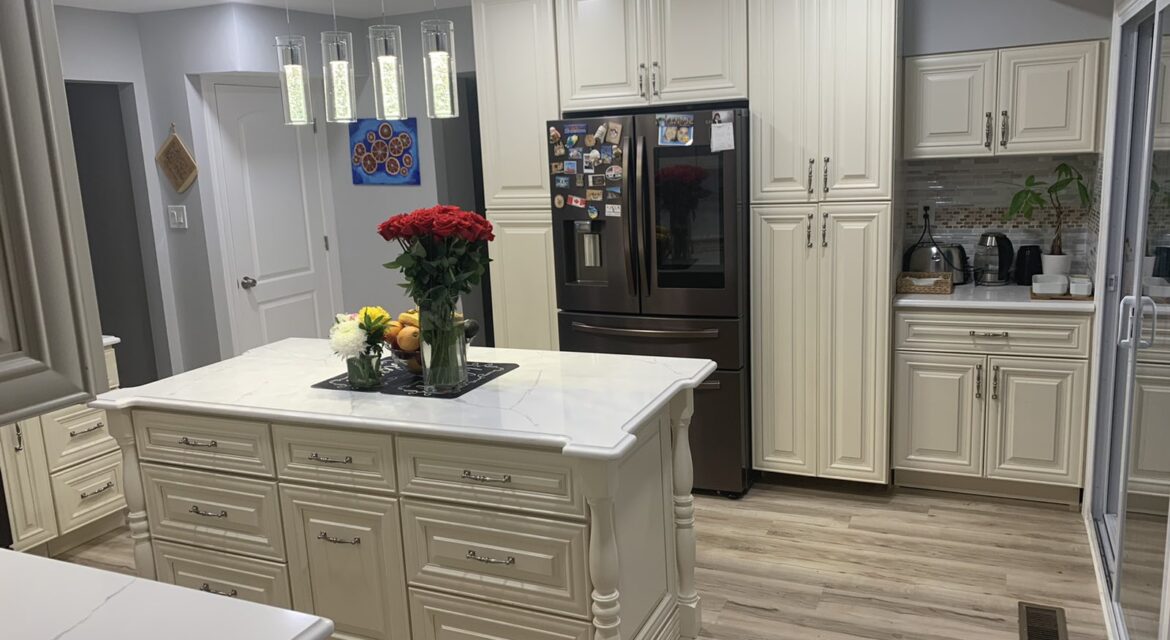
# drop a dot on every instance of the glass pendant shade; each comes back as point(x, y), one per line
point(386, 62)
point(337, 54)
point(294, 79)
point(439, 68)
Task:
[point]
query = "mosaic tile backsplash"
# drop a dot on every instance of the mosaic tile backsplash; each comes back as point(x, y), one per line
point(968, 196)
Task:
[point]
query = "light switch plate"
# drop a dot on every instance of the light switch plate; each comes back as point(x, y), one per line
point(177, 216)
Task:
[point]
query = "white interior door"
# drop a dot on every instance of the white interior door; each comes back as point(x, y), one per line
point(272, 215)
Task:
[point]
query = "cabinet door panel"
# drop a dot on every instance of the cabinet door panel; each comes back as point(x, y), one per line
point(514, 42)
point(345, 561)
point(784, 306)
point(950, 105)
point(938, 412)
point(27, 489)
point(783, 97)
point(857, 63)
point(602, 53)
point(1149, 461)
point(1036, 419)
point(1050, 96)
point(853, 328)
point(524, 296)
point(683, 72)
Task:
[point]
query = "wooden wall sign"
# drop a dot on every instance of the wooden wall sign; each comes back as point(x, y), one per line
point(177, 162)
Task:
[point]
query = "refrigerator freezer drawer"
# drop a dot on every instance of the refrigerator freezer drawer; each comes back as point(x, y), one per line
point(720, 444)
point(719, 339)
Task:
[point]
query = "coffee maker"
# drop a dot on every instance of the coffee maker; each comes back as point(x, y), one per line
point(993, 259)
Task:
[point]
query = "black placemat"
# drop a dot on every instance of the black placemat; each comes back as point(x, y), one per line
point(397, 381)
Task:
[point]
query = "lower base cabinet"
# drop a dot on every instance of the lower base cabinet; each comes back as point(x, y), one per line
point(345, 560)
point(224, 574)
point(1149, 462)
point(436, 616)
point(939, 412)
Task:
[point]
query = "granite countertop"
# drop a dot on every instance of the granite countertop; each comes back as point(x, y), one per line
point(44, 599)
point(584, 404)
point(1003, 298)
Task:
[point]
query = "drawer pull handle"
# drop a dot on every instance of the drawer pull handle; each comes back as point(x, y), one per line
point(995, 382)
point(988, 334)
point(316, 457)
point(191, 442)
point(206, 588)
point(19, 439)
point(978, 382)
point(207, 514)
point(80, 432)
point(328, 538)
point(472, 555)
point(480, 477)
point(102, 489)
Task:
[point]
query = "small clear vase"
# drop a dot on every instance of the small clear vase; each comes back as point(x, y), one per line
point(364, 371)
point(444, 347)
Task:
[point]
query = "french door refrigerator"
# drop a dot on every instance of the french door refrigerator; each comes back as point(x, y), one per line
point(650, 237)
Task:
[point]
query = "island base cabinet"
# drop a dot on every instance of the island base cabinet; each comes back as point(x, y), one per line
point(1036, 419)
point(938, 412)
point(436, 616)
point(345, 561)
point(224, 574)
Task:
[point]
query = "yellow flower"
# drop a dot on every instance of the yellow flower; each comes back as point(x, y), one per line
point(377, 315)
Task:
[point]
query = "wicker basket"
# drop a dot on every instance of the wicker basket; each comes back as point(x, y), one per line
point(943, 284)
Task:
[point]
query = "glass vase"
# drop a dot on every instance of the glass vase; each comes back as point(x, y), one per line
point(365, 371)
point(444, 347)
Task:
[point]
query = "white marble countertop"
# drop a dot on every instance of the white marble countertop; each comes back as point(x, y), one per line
point(44, 599)
point(584, 404)
point(1008, 297)
point(109, 341)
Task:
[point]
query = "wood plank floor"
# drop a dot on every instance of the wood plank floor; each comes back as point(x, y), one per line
point(801, 563)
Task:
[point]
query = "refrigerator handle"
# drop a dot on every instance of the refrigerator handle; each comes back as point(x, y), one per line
point(639, 188)
point(627, 231)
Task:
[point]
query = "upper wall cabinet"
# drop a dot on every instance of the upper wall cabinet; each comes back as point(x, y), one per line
point(822, 99)
point(628, 53)
point(1021, 101)
point(517, 95)
point(50, 344)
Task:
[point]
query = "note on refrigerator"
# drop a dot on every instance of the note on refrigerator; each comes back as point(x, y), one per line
point(722, 131)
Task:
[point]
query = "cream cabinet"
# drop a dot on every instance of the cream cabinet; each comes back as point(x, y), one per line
point(1150, 442)
point(626, 53)
point(524, 297)
point(972, 412)
point(822, 98)
point(820, 319)
point(1019, 101)
point(28, 491)
point(517, 84)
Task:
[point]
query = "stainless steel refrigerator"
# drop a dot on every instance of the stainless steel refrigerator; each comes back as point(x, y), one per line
point(650, 217)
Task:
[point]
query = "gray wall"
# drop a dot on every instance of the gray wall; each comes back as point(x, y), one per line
point(940, 26)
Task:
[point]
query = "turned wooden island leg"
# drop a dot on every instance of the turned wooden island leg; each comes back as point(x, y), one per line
point(122, 429)
point(604, 564)
point(689, 606)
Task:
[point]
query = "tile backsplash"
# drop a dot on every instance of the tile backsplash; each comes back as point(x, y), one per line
point(968, 196)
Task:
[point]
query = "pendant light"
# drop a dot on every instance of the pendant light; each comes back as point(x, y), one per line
point(337, 63)
point(439, 68)
point(294, 78)
point(386, 65)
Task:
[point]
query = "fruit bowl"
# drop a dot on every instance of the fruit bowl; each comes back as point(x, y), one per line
point(409, 360)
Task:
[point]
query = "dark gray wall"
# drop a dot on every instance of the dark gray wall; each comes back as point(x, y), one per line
point(941, 26)
point(107, 195)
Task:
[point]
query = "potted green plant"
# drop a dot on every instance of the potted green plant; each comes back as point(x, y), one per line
point(1036, 194)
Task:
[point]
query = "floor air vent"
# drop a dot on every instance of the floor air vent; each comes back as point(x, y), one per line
point(1039, 622)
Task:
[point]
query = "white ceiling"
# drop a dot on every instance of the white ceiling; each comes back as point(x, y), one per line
point(350, 8)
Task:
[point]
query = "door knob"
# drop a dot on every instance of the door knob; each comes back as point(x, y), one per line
point(247, 282)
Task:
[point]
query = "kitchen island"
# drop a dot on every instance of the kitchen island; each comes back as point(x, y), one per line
point(552, 502)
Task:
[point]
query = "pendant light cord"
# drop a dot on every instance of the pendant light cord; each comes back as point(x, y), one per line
point(383, 12)
point(334, 2)
point(287, 18)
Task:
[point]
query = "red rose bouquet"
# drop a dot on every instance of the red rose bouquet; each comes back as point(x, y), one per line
point(444, 254)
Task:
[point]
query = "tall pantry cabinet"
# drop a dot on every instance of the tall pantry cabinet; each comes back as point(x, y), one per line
point(516, 69)
point(822, 95)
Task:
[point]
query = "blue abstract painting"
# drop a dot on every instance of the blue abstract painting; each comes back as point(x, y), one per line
point(384, 151)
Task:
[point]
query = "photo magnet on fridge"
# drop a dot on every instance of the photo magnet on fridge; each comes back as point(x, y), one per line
point(613, 210)
point(558, 167)
point(676, 129)
point(595, 195)
point(574, 154)
point(580, 181)
point(607, 153)
point(558, 150)
point(561, 182)
point(587, 165)
point(613, 133)
point(613, 193)
point(597, 180)
point(570, 166)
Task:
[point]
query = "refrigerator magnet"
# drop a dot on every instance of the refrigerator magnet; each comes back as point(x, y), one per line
point(590, 140)
point(554, 136)
point(572, 140)
point(597, 180)
point(587, 165)
point(676, 129)
point(577, 128)
point(607, 153)
point(570, 166)
point(614, 173)
point(599, 135)
point(558, 150)
point(574, 154)
point(558, 167)
point(559, 201)
point(592, 211)
point(596, 195)
point(561, 182)
point(613, 193)
point(580, 181)
point(576, 201)
point(613, 133)
point(613, 210)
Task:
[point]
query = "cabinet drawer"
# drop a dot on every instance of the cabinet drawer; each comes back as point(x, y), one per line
point(1016, 334)
point(436, 616)
point(514, 559)
point(221, 444)
point(342, 458)
point(112, 368)
point(215, 511)
point(76, 434)
point(88, 491)
point(488, 475)
point(223, 573)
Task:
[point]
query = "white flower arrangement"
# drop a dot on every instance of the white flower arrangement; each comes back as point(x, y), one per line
point(347, 337)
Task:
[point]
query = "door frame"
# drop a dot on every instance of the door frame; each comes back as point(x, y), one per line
point(221, 260)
